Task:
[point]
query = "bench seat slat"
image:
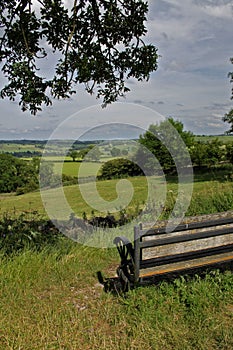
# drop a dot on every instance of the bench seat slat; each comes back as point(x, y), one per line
point(188, 265)
point(144, 264)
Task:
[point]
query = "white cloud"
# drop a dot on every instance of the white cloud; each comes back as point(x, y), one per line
point(194, 39)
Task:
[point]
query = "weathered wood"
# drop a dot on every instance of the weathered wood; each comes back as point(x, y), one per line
point(137, 252)
point(190, 246)
point(187, 265)
point(197, 242)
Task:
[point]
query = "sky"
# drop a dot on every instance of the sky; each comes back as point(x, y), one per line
point(194, 41)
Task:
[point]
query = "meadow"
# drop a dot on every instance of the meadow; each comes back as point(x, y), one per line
point(50, 298)
point(72, 168)
point(223, 138)
point(208, 196)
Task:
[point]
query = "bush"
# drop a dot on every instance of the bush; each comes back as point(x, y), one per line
point(27, 230)
point(17, 174)
point(118, 169)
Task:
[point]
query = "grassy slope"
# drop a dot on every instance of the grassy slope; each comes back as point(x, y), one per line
point(208, 196)
point(53, 301)
point(223, 138)
point(32, 201)
point(72, 168)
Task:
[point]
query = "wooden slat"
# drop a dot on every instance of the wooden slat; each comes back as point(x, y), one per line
point(187, 226)
point(191, 264)
point(189, 246)
point(185, 237)
point(144, 264)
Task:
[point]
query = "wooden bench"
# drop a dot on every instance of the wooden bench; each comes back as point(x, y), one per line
point(196, 243)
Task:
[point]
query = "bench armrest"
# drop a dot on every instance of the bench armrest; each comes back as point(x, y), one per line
point(125, 249)
point(121, 240)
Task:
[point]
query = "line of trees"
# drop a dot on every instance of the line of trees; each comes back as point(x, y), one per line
point(201, 153)
point(153, 152)
point(21, 176)
point(17, 175)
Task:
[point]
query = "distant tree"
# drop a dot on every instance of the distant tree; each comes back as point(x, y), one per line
point(93, 154)
point(207, 153)
point(115, 152)
point(47, 176)
point(84, 152)
point(17, 175)
point(156, 140)
point(119, 168)
point(228, 117)
point(73, 154)
point(95, 43)
point(215, 152)
point(198, 153)
point(124, 152)
point(229, 152)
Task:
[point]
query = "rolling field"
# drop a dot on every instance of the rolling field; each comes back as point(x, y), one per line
point(14, 147)
point(72, 168)
point(208, 196)
point(32, 201)
point(51, 298)
point(223, 138)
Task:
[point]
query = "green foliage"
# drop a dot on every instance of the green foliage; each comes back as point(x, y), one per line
point(198, 153)
point(47, 176)
point(73, 154)
point(215, 152)
point(27, 230)
point(115, 152)
point(99, 43)
point(17, 175)
point(93, 154)
point(119, 168)
point(229, 152)
point(83, 152)
point(51, 299)
point(207, 154)
point(157, 139)
point(228, 117)
point(21, 176)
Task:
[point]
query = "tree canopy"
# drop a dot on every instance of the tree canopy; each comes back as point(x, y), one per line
point(157, 139)
point(97, 43)
point(228, 117)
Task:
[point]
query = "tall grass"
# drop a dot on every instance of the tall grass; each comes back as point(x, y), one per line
point(208, 196)
point(50, 297)
point(51, 300)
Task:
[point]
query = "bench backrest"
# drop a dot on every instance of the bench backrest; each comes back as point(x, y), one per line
point(203, 238)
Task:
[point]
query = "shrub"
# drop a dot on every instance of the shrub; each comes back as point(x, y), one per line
point(119, 168)
point(27, 230)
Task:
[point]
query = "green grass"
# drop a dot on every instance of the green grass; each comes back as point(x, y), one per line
point(72, 168)
point(222, 138)
point(51, 300)
point(14, 147)
point(208, 196)
point(32, 201)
